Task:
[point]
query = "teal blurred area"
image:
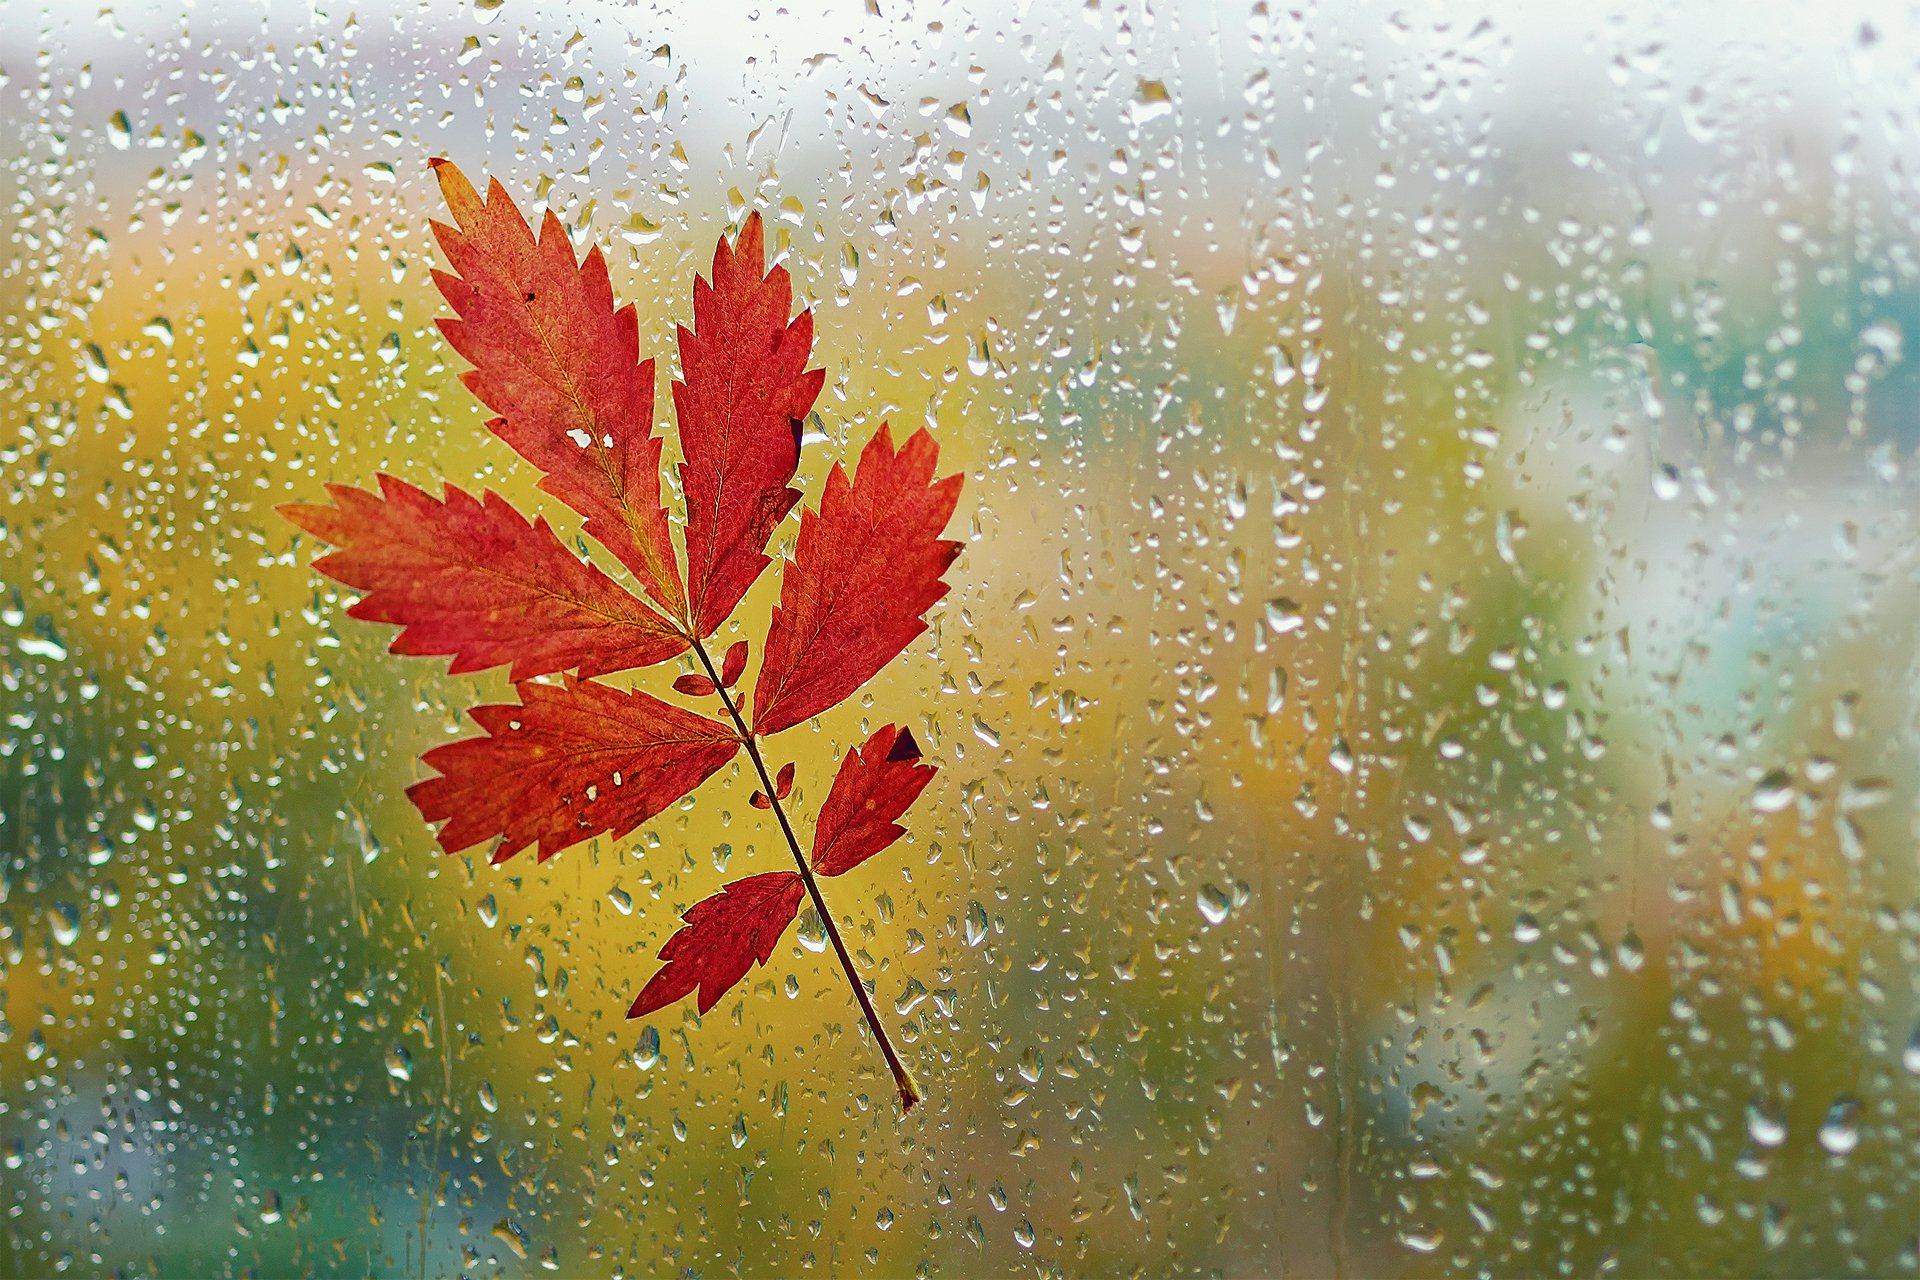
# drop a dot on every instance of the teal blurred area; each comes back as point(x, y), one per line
point(1428, 715)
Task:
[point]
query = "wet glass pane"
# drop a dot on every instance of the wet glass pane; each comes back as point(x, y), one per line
point(1427, 710)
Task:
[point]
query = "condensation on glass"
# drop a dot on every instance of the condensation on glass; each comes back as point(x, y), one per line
point(1428, 713)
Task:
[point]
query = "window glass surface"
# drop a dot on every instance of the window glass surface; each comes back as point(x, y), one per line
point(1427, 710)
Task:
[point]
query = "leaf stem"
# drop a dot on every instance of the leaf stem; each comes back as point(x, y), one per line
point(909, 1093)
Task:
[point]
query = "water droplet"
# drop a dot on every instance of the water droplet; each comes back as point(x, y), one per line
point(487, 1101)
point(1840, 1131)
point(1031, 1065)
point(1423, 1241)
point(1773, 792)
point(810, 933)
point(1151, 102)
point(1765, 1126)
point(975, 928)
point(399, 1063)
point(1631, 953)
point(1283, 615)
point(505, 1230)
point(65, 919)
point(1214, 905)
point(647, 1051)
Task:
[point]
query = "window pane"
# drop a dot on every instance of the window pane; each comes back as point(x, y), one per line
point(1426, 713)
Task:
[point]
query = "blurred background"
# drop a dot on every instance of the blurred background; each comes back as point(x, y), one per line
point(1428, 712)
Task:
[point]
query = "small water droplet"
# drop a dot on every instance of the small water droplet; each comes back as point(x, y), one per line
point(1031, 1065)
point(65, 919)
point(975, 928)
point(1774, 792)
point(1214, 905)
point(1423, 1241)
point(1151, 102)
point(1283, 615)
point(399, 1063)
point(1840, 1131)
point(1765, 1126)
point(510, 1233)
point(647, 1051)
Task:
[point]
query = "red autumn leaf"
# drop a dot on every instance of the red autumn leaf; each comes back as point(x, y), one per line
point(567, 763)
point(562, 368)
point(743, 390)
point(733, 664)
point(877, 782)
point(723, 937)
point(865, 569)
point(473, 578)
